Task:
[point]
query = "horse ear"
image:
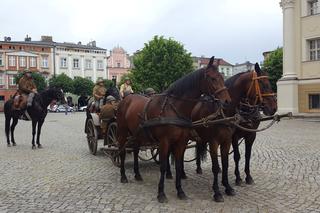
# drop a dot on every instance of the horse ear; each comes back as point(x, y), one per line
point(257, 69)
point(211, 61)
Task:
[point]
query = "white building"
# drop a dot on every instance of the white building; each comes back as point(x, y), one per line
point(244, 67)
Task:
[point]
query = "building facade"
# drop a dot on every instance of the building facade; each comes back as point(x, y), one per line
point(224, 67)
point(17, 56)
point(119, 63)
point(299, 87)
point(244, 67)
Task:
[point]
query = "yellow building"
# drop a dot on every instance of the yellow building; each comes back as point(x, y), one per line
point(299, 87)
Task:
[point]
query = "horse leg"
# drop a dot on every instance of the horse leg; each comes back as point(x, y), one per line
point(38, 133)
point(34, 125)
point(13, 126)
point(249, 142)
point(163, 155)
point(7, 129)
point(236, 157)
point(215, 170)
point(137, 175)
point(178, 154)
point(168, 173)
point(183, 172)
point(225, 147)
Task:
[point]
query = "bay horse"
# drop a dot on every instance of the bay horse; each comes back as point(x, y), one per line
point(165, 120)
point(37, 112)
point(251, 90)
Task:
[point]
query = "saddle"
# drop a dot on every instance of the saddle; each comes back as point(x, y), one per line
point(20, 101)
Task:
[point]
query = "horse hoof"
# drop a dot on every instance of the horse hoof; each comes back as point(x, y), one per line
point(238, 182)
point(162, 198)
point(218, 197)
point(169, 176)
point(249, 180)
point(138, 178)
point(184, 176)
point(8, 145)
point(14, 144)
point(124, 180)
point(199, 171)
point(33, 147)
point(40, 146)
point(182, 196)
point(230, 192)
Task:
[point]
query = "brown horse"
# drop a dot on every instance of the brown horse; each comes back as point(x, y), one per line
point(165, 120)
point(251, 89)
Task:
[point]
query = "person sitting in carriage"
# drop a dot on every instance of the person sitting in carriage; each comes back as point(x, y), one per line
point(108, 111)
point(125, 88)
point(99, 91)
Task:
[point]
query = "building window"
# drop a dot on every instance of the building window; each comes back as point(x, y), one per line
point(12, 80)
point(76, 63)
point(45, 61)
point(114, 78)
point(88, 64)
point(313, 6)
point(12, 61)
point(1, 80)
point(100, 65)
point(33, 62)
point(22, 61)
point(314, 49)
point(63, 62)
point(314, 101)
point(118, 65)
point(1, 60)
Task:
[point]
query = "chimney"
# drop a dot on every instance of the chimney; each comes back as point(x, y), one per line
point(79, 43)
point(92, 44)
point(46, 38)
point(7, 38)
point(27, 38)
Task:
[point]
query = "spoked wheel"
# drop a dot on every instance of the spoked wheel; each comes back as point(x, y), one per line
point(111, 141)
point(149, 154)
point(92, 137)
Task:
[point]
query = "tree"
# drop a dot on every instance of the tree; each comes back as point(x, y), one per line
point(273, 65)
point(38, 79)
point(82, 86)
point(62, 81)
point(161, 62)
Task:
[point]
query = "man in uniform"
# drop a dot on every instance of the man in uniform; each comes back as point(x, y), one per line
point(99, 91)
point(27, 87)
point(108, 112)
point(126, 88)
point(149, 92)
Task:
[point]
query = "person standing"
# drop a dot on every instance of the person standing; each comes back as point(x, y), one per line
point(125, 88)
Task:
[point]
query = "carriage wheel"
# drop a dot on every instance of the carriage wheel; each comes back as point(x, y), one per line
point(111, 140)
point(92, 137)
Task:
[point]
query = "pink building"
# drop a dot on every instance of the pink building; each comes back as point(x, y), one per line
point(118, 63)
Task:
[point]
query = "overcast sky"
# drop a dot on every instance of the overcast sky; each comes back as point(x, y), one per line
point(236, 30)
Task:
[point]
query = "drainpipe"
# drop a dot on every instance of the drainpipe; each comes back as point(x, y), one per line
point(54, 61)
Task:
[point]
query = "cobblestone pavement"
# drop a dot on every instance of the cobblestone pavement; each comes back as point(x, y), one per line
point(65, 177)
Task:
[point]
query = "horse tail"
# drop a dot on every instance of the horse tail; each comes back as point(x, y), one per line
point(201, 151)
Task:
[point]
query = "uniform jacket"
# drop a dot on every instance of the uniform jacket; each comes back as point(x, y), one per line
point(26, 85)
point(98, 92)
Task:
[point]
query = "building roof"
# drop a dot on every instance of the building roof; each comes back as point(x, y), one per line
point(245, 63)
point(204, 60)
point(53, 44)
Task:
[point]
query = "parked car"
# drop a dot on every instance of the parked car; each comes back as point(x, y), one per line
point(82, 108)
point(60, 108)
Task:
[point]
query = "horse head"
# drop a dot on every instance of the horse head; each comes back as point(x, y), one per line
point(214, 84)
point(56, 94)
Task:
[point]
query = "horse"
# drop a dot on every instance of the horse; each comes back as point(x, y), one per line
point(113, 91)
point(250, 89)
point(37, 113)
point(165, 120)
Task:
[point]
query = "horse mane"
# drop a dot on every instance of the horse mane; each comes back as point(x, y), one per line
point(184, 84)
point(230, 81)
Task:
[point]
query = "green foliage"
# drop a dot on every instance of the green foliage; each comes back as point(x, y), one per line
point(62, 81)
point(38, 79)
point(108, 83)
point(82, 86)
point(161, 62)
point(273, 65)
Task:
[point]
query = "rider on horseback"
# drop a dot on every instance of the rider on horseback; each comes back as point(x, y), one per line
point(27, 87)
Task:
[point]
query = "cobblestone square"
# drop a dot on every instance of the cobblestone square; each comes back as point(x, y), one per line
point(65, 177)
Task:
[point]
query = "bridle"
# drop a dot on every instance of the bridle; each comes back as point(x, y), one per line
point(209, 82)
point(256, 86)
